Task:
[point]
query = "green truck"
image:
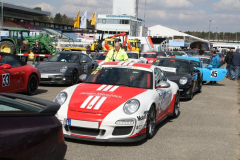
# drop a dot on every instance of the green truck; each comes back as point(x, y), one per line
point(13, 43)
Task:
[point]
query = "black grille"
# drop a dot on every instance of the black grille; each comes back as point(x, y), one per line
point(85, 131)
point(118, 131)
point(46, 79)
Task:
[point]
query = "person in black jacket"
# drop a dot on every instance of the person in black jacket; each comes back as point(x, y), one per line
point(228, 60)
point(235, 65)
point(25, 47)
point(36, 50)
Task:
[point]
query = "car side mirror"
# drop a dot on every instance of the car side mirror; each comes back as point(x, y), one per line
point(6, 66)
point(83, 61)
point(82, 77)
point(163, 84)
point(209, 66)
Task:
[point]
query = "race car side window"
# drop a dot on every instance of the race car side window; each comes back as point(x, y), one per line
point(8, 59)
point(89, 59)
point(158, 75)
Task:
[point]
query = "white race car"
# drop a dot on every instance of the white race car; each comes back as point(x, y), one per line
point(118, 102)
point(135, 58)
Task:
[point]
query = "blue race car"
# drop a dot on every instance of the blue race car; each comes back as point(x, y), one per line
point(208, 73)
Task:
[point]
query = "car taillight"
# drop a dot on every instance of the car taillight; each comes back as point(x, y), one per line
point(60, 136)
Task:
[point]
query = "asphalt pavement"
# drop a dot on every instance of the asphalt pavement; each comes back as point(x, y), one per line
point(207, 128)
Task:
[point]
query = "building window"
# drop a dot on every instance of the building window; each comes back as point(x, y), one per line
point(104, 21)
point(124, 21)
point(99, 20)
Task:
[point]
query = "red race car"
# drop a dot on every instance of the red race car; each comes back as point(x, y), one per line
point(150, 56)
point(100, 57)
point(17, 76)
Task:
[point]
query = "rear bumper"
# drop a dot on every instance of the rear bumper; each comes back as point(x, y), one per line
point(58, 153)
point(116, 140)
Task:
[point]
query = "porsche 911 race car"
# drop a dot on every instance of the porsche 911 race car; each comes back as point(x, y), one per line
point(118, 102)
point(65, 68)
point(135, 58)
point(17, 76)
point(182, 72)
point(150, 56)
point(208, 73)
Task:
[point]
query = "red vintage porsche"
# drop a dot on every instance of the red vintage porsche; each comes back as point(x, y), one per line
point(17, 76)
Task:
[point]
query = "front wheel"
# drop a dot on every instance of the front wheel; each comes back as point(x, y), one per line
point(176, 111)
point(74, 77)
point(151, 123)
point(32, 85)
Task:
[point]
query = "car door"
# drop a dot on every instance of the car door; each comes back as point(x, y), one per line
point(86, 64)
point(164, 94)
point(10, 78)
point(213, 74)
point(91, 65)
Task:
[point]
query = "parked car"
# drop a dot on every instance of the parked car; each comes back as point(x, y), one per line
point(17, 76)
point(135, 57)
point(29, 129)
point(118, 102)
point(205, 60)
point(150, 56)
point(182, 72)
point(208, 73)
point(65, 68)
point(100, 57)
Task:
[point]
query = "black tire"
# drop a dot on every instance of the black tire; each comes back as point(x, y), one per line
point(8, 44)
point(200, 87)
point(151, 123)
point(32, 84)
point(176, 111)
point(191, 94)
point(75, 77)
point(204, 82)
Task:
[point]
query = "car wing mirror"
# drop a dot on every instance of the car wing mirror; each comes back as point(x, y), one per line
point(82, 77)
point(6, 66)
point(83, 61)
point(209, 66)
point(163, 84)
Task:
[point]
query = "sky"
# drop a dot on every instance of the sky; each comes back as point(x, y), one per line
point(181, 15)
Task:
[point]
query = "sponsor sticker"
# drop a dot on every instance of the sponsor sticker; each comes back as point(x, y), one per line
point(5, 79)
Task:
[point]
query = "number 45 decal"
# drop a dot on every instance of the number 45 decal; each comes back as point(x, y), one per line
point(214, 74)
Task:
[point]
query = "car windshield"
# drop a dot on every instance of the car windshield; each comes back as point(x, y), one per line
point(178, 53)
point(161, 54)
point(169, 53)
point(121, 76)
point(64, 57)
point(133, 55)
point(179, 65)
point(8, 105)
point(148, 55)
point(207, 53)
point(205, 60)
point(100, 57)
point(196, 64)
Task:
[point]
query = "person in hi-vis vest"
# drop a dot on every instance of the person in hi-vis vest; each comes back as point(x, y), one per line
point(117, 54)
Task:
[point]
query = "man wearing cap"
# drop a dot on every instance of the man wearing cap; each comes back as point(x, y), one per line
point(117, 54)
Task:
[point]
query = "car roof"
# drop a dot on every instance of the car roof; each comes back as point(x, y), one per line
point(179, 59)
point(148, 66)
point(189, 58)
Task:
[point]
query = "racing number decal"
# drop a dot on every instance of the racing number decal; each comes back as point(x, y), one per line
point(5, 79)
point(85, 68)
point(214, 74)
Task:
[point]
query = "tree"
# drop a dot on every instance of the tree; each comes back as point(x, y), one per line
point(37, 8)
point(58, 18)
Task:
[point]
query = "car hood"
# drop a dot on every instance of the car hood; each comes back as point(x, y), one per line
point(93, 102)
point(52, 66)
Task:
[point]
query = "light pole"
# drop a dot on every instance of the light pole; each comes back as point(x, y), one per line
point(209, 29)
point(216, 33)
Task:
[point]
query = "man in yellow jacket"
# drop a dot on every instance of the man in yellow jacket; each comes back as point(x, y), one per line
point(117, 54)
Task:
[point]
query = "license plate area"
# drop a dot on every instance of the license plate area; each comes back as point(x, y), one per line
point(83, 124)
point(44, 76)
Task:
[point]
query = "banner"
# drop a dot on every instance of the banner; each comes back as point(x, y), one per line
point(84, 21)
point(77, 20)
point(93, 19)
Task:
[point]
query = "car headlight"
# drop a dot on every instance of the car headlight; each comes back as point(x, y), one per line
point(131, 106)
point(60, 98)
point(183, 80)
point(63, 69)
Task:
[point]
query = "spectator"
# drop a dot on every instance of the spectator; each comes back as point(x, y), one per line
point(88, 49)
point(228, 60)
point(215, 62)
point(25, 47)
point(201, 51)
point(117, 54)
point(235, 65)
point(36, 50)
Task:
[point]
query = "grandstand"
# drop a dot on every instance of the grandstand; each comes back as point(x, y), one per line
point(23, 17)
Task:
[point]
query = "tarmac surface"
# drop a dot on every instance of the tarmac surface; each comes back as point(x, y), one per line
point(207, 128)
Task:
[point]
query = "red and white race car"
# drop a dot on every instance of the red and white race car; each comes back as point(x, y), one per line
point(150, 56)
point(118, 102)
point(17, 76)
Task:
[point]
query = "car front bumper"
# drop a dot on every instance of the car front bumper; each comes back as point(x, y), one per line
point(55, 79)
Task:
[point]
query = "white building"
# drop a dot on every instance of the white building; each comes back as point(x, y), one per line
point(123, 19)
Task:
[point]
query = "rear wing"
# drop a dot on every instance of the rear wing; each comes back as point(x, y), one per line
point(49, 108)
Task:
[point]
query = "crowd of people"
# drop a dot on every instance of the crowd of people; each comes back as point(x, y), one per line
point(232, 60)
